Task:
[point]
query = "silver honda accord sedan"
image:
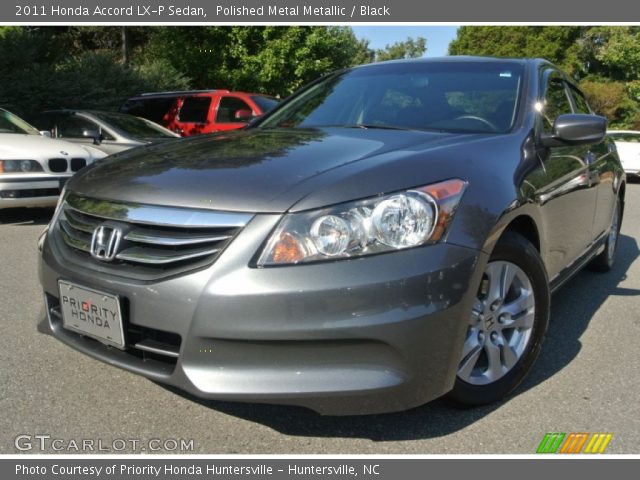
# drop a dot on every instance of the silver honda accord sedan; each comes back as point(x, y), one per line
point(388, 235)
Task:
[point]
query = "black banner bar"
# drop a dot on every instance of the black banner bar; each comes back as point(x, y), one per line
point(326, 11)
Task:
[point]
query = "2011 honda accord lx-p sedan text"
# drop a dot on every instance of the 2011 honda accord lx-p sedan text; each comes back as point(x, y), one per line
point(389, 234)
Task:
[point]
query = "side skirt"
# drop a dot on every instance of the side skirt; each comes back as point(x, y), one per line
point(594, 249)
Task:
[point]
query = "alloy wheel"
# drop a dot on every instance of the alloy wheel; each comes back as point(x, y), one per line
point(500, 324)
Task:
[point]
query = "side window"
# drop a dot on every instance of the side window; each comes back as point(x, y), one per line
point(195, 109)
point(556, 102)
point(580, 102)
point(228, 108)
point(73, 127)
point(153, 109)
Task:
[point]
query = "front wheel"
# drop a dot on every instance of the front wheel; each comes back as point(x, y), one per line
point(507, 324)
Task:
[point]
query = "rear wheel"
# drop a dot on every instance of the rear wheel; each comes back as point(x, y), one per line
point(604, 261)
point(506, 326)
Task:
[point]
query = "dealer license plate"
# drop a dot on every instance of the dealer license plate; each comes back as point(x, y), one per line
point(92, 313)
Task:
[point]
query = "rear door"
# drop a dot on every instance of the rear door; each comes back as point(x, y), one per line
point(195, 115)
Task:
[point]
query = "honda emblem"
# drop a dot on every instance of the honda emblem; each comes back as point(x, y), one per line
point(105, 242)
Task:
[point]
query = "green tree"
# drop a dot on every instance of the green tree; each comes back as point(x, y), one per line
point(604, 60)
point(556, 44)
point(36, 73)
point(271, 59)
point(410, 48)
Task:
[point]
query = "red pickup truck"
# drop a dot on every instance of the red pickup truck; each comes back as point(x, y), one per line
point(195, 112)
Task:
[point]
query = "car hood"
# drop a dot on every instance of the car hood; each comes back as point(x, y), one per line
point(253, 170)
point(37, 147)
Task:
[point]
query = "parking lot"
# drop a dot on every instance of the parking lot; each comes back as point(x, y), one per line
point(586, 380)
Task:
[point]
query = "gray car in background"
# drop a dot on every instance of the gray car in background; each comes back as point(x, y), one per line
point(110, 132)
point(390, 234)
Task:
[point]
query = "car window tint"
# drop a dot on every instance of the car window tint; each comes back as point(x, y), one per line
point(497, 106)
point(154, 109)
point(133, 126)
point(581, 103)
point(228, 108)
point(195, 109)
point(73, 127)
point(556, 102)
point(266, 104)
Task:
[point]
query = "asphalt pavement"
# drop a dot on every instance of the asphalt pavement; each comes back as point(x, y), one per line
point(586, 380)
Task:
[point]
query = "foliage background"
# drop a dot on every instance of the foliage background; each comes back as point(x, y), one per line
point(605, 61)
point(100, 67)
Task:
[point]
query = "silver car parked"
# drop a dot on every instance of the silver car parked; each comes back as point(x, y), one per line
point(109, 131)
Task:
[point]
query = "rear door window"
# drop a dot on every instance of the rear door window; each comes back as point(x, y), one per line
point(195, 110)
point(153, 109)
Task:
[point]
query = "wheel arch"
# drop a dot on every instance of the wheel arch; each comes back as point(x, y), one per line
point(525, 221)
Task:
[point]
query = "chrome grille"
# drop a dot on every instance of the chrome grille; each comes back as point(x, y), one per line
point(156, 241)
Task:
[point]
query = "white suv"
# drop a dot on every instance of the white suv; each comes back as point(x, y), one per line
point(33, 167)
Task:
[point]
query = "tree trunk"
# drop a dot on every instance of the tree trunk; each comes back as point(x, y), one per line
point(125, 46)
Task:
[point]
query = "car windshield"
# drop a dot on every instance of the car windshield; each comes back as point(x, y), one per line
point(134, 126)
point(9, 123)
point(476, 97)
point(266, 104)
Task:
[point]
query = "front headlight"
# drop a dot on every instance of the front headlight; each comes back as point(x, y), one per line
point(20, 166)
point(374, 225)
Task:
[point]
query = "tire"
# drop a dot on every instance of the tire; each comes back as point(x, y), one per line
point(506, 326)
point(604, 262)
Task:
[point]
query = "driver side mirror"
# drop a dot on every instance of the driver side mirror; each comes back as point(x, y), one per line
point(95, 134)
point(576, 129)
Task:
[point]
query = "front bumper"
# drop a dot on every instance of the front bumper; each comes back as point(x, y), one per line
point(368, 335)
point(31, 190)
